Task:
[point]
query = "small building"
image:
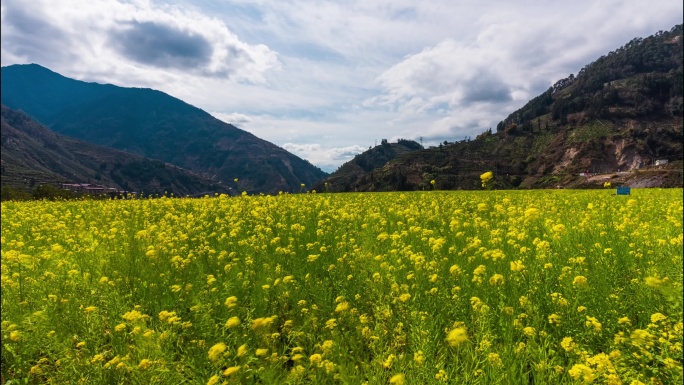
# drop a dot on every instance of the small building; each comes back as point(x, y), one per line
point(661, 162)
point(86, 188)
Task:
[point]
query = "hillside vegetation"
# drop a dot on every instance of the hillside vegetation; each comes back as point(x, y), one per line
point(347, 177)
point(619, 114)
point(32, 155)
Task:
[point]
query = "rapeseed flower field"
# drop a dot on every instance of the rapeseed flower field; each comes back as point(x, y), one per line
point(479, 287)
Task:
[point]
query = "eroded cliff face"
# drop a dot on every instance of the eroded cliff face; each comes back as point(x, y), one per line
point(626, 156)
point(619, 155)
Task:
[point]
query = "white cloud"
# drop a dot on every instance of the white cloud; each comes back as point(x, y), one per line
point(234, 118)
point(302, 148)
point(127, 41)
point(327, 158)
point(516, 53)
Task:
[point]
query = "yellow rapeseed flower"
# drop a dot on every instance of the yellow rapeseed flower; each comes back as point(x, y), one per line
point(213, 380)
point(242, 350)
point(15, 336)
point(517, 266)
point(457, 336)
point(494, 359)
point(327, 346)
point(567, 344)
point(397, 379)
point(144, 363)
point(331, 323)
point(496, 280)
point(419, 357)
point(671, 364)
point(583, 372)
point(593, 322)
point(455, 270)
point(654, 281)
point(641, 337)
point(230, 371)
point(389, 361)
point(133, 316)
point(231, 301)
point(441, 376)
point(523, 300)
point(520, 347)
point(232, 322)
point(113, 362)
point(656, 317)
point(531, 213)
point(263, 322)
point(216, 351)
point(315, 358)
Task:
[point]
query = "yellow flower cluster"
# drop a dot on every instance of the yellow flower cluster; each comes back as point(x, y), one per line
point(574, 286)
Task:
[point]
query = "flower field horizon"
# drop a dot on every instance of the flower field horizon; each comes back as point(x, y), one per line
point(467, 287)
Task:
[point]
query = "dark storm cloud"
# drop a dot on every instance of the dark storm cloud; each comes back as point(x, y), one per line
point(486, 88)
point(31, 37)
point(162, 45)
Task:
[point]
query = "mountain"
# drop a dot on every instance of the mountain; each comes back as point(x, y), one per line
point(347, 176)
point(33, 155)
point(153, 124)
point(618, 116)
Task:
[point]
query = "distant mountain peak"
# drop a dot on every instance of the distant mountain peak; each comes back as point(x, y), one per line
point(154, 124)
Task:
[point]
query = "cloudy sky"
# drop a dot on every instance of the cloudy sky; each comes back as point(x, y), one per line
point(328, 79)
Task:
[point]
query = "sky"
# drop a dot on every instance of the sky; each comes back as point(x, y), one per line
point(328, 79)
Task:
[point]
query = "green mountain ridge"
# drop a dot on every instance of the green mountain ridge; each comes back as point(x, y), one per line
point(153, 124)
point(33, 155)
point(347, 176)
point(616, 117)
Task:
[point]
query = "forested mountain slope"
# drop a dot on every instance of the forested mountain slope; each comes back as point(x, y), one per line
point(153, 124)
point(33, 155)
